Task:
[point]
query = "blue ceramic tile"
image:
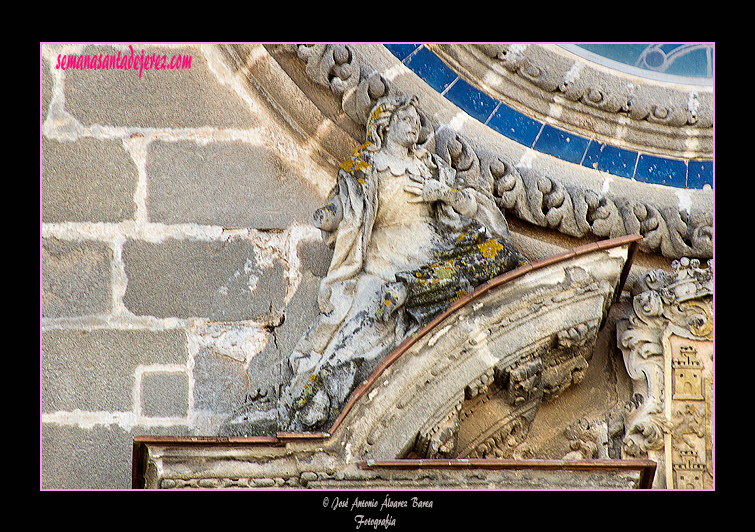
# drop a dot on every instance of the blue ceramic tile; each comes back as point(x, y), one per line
point(561, 144)
point(402, 51)
point(592, 154)
point(700, 173)
point(476, 103)
point(514, 125)
point(430, 68)
point(617, 161)
point(545, 138)
point(669, 172)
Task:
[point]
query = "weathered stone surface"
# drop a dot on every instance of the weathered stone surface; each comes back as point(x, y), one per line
point(214, 280)
point(89, 180)
point(97, 457)
point(667, 344)
point(269, 369)
point(220, 382)
point(177, 98)
point(164, 394)
point(409, 237)
point(87, 434)
point(94, 370)
point(75, 278)
point(521, 325)
point(231, 184)
point(46, 87)
point(315, 257)
point(517, 322)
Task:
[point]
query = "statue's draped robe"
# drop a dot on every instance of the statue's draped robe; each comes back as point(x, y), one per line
point(382, 238)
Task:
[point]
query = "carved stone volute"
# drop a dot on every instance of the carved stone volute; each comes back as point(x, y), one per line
point(672, 314)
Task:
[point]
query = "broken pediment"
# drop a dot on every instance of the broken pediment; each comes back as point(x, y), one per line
point(438, 339)
point(449, 406)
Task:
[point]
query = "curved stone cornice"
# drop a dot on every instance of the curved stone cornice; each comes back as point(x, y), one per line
point(539, 189)
point(588, 99)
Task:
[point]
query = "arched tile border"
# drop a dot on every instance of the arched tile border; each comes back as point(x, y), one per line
point(545, 138)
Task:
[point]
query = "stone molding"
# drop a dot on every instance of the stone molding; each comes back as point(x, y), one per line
point(665, 118)
point(180, 463)
point(543, 191)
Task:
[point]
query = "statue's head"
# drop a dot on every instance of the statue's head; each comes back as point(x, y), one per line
point(386, 111)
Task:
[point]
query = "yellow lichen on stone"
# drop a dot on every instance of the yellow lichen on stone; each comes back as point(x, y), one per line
point(490, 248)
point(356, 162)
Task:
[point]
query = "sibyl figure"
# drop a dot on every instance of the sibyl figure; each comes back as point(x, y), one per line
point(408, 239)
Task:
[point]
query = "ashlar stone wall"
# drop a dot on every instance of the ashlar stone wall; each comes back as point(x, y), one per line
point(176, 247)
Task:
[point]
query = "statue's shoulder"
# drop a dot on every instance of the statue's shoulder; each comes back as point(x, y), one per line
point(359, 164)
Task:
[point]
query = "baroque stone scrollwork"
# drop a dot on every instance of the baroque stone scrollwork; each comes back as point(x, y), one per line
point(666, 344)
point(574, 209)
point(339, 67)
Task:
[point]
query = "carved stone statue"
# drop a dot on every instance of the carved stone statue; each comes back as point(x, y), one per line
point(408, 239)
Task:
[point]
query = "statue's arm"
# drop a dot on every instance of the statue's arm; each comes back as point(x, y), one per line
point(431, 190)
point(328, 217)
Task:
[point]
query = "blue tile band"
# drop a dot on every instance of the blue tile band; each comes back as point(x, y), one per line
point(545, 138)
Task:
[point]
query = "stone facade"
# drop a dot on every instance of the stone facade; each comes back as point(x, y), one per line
point(170, 256)
point(180, 265)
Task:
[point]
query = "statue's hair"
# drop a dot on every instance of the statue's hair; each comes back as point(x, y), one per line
point(382, 114)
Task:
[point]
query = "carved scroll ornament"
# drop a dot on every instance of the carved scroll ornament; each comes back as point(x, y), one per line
point(679, 303)
point(572, 209)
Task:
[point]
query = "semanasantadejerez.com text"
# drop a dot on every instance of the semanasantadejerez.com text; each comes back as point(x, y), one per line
point(118, 61)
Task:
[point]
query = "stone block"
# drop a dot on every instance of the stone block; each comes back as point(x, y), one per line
point(214, 280)
point(315, 257)
point(46, 88)
point(169, 98)
point(91, 458)
point(220, 382)
point(93, 370)
point(76, 278)
point(76, 458)
point(164, 394)
point(300, 313)
point(230, 184)
point(89, 180)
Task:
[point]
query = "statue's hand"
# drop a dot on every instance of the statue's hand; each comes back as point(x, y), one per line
point(428, 190)
point(328, 218)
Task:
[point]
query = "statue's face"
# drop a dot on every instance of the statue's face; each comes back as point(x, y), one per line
point(404, 127)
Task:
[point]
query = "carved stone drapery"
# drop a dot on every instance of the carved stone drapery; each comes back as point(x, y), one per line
point(573, 207)
point(668, 353)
